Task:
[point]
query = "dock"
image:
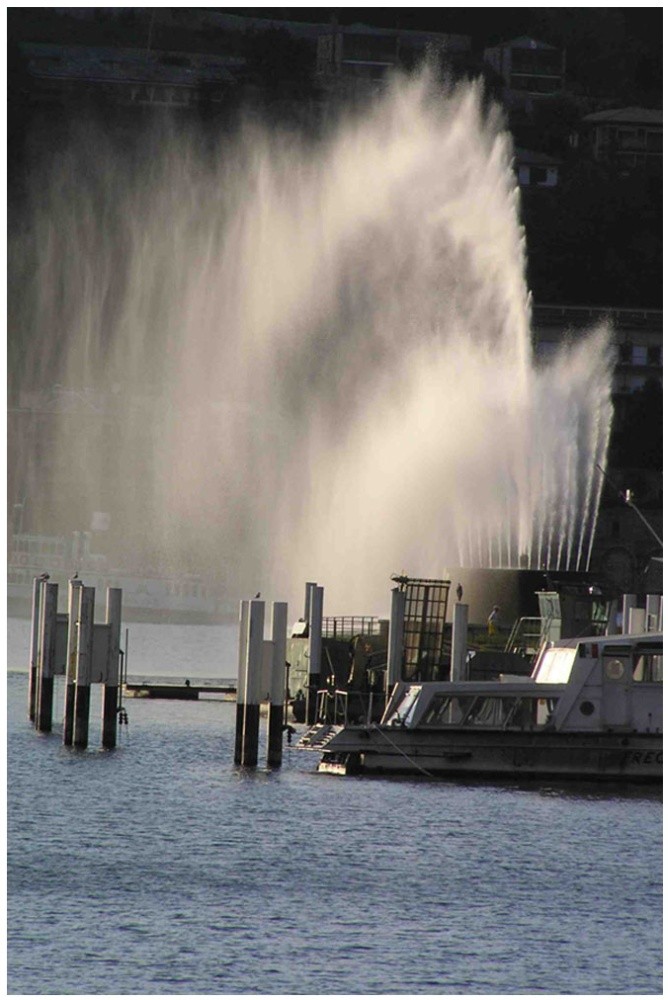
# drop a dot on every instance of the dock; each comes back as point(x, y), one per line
point(178, 692)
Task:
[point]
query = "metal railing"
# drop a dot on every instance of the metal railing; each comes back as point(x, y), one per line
point(340, 707)
point(347, 626)
point(525, 636)
point(650, 319)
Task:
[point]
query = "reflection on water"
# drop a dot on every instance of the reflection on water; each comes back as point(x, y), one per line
point(154, 650)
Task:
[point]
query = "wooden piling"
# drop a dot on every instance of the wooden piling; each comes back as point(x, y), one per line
point(241, 680)
point(84, 661)
point(49, 601)
point(34, 648)
point(253, 682)
point(110, 690)
point(276, 721)
point(73, 605)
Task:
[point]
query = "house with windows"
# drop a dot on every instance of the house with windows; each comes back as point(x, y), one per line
point(365, 53)
point(637, 338)
point(536, 170)
point(627, 138)
point(528, 66)
point(121, 76)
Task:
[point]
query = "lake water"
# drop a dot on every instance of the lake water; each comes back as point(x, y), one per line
point(161, 868)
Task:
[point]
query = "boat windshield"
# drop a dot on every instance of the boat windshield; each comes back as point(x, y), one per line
point(647, 667)
point(555, 665)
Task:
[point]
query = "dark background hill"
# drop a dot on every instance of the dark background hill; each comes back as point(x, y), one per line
point(594, 239)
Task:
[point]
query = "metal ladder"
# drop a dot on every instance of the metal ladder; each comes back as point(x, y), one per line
point(318, 736)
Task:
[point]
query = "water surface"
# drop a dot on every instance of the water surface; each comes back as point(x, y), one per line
point(160, 868)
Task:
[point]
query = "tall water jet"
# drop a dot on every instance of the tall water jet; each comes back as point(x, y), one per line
point(292, 359)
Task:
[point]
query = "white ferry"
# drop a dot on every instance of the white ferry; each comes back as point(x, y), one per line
point(161, 597)
point(591, 709)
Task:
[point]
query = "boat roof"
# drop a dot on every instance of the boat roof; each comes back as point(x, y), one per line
point(609, 640)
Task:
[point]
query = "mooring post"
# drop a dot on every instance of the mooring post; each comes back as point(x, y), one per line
point(241, 680)
point(33, 679)
point(314, 651)
point(279, 632)
point(253, 683)
point(73, 605)
point(47, 658)
point(110, 691)
point(460, 627)
point(84, 667)
point(395, 644)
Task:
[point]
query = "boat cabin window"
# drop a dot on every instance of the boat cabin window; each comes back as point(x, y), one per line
point(492, 711)
point(445, 710)
point(648, 667)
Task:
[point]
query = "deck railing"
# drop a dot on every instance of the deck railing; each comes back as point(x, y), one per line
point(343, 707)
point(347, 626)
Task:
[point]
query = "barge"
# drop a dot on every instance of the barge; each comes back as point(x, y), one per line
point(592, 708)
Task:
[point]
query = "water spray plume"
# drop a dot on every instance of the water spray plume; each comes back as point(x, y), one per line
point(308, 360)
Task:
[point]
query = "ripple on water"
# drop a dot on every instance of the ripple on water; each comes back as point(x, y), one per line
point(161, 869)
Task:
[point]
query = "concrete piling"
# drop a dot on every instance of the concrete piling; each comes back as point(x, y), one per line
point(314, 649)
point(395, 644)
point(73, 604)
point(460, 624)
point(308, 590)
point(34, 648)
point(253, 683)
point(279, 631)
point(110, 691)
point(46, 662)
point(84, 663)
point(241, 680)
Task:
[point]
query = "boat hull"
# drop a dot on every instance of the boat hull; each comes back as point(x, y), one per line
point(636, 757)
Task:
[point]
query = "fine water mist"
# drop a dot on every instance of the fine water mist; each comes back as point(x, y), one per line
point(284, 359)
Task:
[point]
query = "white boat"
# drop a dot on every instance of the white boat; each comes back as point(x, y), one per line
point(591, 709)
point(184, 598)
